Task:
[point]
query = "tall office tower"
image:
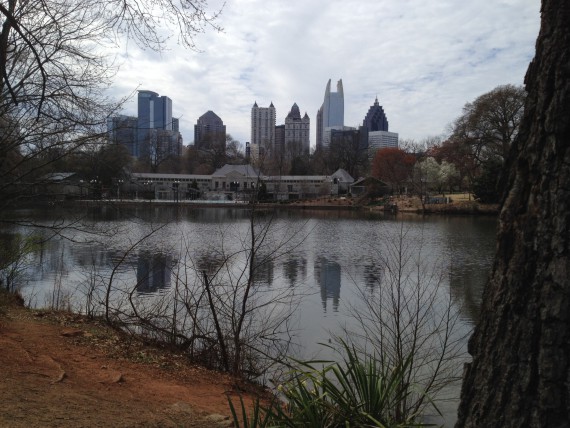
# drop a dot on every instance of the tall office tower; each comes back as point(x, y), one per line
point(297, 131)
point(262, 129)
point(155, 112)
point(209, 131)
point(123, 130)
point(333, 111)
point(156, 135)
point(375, 119)
point(279, 139)
point(381, 140)
point(319, 143)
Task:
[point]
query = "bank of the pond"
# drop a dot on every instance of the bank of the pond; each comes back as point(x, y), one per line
point(61, 369)
point(394, 204)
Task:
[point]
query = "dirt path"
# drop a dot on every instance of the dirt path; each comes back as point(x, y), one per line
point(60, 371)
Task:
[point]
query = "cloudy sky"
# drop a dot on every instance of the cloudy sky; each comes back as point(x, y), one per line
point(423, 59)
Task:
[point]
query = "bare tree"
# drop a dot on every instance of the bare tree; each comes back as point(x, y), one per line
point(521, 344)
point(53, 74)
point(406, 318)
point(489, 125)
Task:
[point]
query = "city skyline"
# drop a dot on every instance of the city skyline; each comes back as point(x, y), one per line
point(423, 62)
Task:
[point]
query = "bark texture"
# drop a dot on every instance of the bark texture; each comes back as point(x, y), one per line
point(520, 373)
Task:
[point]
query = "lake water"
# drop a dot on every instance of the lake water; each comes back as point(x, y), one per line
point(329, 263)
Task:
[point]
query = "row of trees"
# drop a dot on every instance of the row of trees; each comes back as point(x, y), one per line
point(471, 158)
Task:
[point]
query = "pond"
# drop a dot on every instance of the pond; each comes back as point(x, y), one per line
point(320, 271)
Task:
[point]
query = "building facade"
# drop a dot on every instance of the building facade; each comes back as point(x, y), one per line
point(380, 140)
point(333, 110)
point(297, 132)
point(153, 134)
point(375, 119)
point(235, 182)
point(319, 133)
point(262, 129)
point(157, 134)
point(123, 130)
point(279, 139)
point(209, 129)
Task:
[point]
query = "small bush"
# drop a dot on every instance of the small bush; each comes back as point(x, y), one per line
point(359, 392)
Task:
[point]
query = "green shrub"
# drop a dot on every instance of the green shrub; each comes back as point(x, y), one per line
point(360, 392)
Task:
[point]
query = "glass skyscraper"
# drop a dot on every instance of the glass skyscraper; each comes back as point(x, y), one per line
point(333, 111)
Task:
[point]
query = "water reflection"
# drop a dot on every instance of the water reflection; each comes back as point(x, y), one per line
point(372, 275)
point(327, 275)
point(195, 240)
point(154, 272)
point(264, 271)
point(295, 269)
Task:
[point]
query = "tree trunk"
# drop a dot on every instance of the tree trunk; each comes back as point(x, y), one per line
point(520, 373)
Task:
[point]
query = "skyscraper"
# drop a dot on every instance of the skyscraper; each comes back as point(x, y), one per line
point(376, 119)
point(333, 111)
point(297, 131)
point(209, 130)
point(262, 129)
point(154, 111)
point(123, 130)
point(319, 143)
point(153, 133)
point(156, 136)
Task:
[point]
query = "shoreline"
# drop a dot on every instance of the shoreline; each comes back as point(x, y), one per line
point(400, 206)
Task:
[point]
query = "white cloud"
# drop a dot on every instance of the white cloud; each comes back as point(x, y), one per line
point(424, 60)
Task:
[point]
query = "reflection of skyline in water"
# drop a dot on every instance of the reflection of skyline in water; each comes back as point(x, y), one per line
point(264, 271)
point(338, 244)
point(295, 269)
point(327, 275)
point(372, 275)
point(154, 272)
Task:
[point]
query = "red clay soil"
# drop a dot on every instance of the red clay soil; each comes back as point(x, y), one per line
point(61, 370)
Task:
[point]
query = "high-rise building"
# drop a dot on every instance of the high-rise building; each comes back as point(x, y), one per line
point(333, 110)
point(154, 133)
point(380, 140)
point(319, 143)
point(262, 129)
point(123, 130)
point(209, 130)
point(154, 111)
point(376, 119)
point(279, 139)
point(157, 134)
point(297, 131)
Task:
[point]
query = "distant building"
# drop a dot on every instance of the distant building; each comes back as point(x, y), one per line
point(319, 133)
point(123, 130)
point(237, 182)
point(328, 133)
point(209, 129)
point(375, 119)
point(297, 132)
point(262, 130)
point(153, 134)
point(157, 133)
point(380, 140)
point(333, 110)
point(356, 138)
point(279, 138)
point(154, 111)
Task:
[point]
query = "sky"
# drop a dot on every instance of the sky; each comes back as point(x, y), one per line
point(423, 60)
